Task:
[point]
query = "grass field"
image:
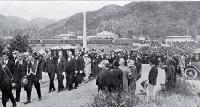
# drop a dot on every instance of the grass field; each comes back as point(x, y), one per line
point(183, 95)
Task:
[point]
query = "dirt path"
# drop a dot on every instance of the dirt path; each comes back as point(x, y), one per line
point(81, 97)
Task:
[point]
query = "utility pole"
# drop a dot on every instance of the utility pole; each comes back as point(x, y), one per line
point(141, 31)
point(64, 27)
point(187, 34)
point(84, 31)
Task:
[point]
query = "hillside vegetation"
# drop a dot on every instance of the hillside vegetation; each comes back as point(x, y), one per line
point(156, 19)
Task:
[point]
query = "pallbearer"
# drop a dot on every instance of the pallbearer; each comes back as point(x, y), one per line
point(70, 70)
point(60, 69)
point(34, 74)
point(19, 73)
point(6, 79)
point(50, 68)
point(79, 67)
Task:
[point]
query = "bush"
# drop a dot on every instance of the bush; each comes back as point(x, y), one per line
point(181, 95)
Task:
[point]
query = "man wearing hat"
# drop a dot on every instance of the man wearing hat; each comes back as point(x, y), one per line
point(19, 73)
point(79, 68)
point(60, 69)
point(34, 73)
point(70, 70)
point(50, 68)
point(6, 79)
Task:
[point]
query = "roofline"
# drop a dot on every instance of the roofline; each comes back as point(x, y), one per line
point(177, 36)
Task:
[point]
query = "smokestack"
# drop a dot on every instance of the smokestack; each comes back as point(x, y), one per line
point(84, 31)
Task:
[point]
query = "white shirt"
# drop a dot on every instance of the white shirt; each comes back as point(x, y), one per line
point(59, 59)
point(69, 58)
point(21, 62)
point(31, 72)
point(5, 62)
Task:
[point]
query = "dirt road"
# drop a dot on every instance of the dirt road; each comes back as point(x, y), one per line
point(80, 97)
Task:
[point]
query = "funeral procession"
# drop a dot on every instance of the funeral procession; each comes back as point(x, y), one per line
point(100, 53)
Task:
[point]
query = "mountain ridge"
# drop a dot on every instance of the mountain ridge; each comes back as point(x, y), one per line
point(10, 25)
point(153, 19)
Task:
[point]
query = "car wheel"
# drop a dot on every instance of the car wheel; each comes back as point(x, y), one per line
point(191, 73)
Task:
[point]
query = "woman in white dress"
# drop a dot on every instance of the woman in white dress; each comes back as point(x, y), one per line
point(87, 69)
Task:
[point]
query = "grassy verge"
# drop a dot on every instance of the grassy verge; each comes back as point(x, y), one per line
point(181, 96)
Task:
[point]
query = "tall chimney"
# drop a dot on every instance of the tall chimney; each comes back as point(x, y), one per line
point(84, 31)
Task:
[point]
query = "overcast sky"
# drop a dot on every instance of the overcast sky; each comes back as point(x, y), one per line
point(51, 9)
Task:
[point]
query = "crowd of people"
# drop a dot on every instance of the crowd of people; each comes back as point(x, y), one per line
point(122, 70)
point(25, 70)
point(115, 71)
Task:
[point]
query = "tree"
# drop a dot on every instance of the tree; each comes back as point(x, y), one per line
point(2, 45)
point(19, 43)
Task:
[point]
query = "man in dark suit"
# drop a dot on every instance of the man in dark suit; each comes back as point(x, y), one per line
point(34, 72)
point(61, 66)
point(50, 68)
point(6, 79)
point(14, 56)
point(79, 67)
point(20, 72)
point(70, 70)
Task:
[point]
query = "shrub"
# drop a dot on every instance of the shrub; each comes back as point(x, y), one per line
point(181, 95)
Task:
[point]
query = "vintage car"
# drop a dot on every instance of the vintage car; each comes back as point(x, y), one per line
point(192, 71)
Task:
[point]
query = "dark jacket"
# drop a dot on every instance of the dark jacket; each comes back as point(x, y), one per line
point(79, 64)
point(117, 77)
point(11, 66)
point(50, 65)
point(5, 78)
point(20, 71)
point(70, 66)
point(153, 75)
point(104, 78)
point(61, 66)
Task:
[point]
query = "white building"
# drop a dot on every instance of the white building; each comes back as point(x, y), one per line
point(65, 36)
point(101, 35)
point(7, 37)
point(198, 37)
point(170, 39)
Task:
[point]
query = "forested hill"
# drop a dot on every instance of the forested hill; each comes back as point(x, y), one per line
point(156, 19)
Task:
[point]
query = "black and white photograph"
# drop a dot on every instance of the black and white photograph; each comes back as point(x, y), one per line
point(96, 53)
